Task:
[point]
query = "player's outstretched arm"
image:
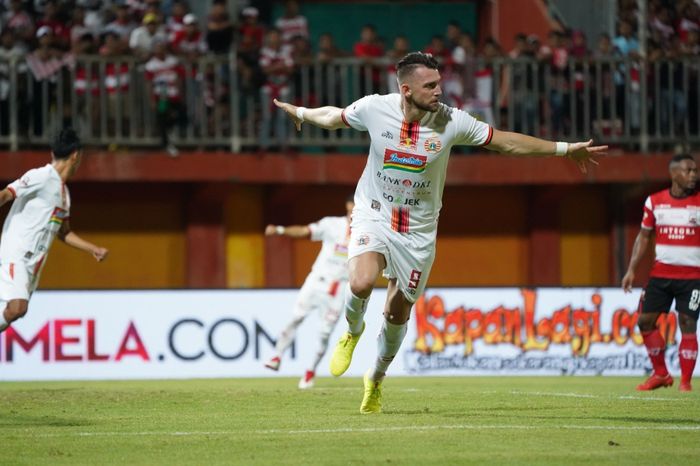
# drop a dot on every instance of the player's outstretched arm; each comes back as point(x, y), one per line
point(583, 153)
point(6, 196)
point(324, 117)
point(293, 231)
point(73, 240)
point(641, 244)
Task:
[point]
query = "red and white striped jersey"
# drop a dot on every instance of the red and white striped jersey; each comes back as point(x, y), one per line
point(405, 174)
point(676, 223)
point(292, 27)
point(166, 76)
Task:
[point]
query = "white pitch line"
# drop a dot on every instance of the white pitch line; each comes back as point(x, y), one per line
point(586, 395)
point(367, 430)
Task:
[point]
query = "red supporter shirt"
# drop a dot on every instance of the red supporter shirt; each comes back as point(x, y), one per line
point(676, 223)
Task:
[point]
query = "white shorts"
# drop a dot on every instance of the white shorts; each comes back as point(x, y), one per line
point(409, 256)
point(16, 282)
point(321, 295)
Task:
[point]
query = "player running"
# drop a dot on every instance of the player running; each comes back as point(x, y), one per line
point(324, 287)
point(673, 216)
point(399, 195)
point(39, 213)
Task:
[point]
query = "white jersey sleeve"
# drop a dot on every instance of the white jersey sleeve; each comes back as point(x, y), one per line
point(469, 131)
point(320, 229)
point(29, 184)
point(355, 115)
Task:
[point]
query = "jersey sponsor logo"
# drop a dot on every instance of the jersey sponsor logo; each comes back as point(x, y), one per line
point(676, 232)
point(388, 135)
point(363, 240)
point(340, 250)
point(432, 145)
point(401, 200)
point(397, 160)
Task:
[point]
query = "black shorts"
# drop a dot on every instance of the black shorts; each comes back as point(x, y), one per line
point(660, 293)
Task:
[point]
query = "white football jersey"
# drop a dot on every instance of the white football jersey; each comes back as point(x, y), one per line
point(41, 205)
point(332, 262)
point(405, 173)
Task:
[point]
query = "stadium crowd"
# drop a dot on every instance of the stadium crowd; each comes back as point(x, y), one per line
point(168, 40)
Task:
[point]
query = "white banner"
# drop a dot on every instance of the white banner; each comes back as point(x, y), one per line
point(230, 333)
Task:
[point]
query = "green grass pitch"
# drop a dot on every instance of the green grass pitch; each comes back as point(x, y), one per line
point(452, 420)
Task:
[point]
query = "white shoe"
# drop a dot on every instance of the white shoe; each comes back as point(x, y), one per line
point(307, 381)
point(273, 364)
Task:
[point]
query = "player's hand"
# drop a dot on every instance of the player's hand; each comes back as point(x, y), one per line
point(100, 254)
point(627, 281)
point(291, 110)
point(584, 153)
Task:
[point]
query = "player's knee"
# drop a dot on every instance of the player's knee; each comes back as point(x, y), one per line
point(396, 317)
point(647, 322)
point(361, 285)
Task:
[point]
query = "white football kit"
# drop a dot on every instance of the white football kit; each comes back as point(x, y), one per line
point(41, 205)
point(324, 287)
point(399, 196)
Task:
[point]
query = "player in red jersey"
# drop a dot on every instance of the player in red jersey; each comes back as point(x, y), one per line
point(673, 215)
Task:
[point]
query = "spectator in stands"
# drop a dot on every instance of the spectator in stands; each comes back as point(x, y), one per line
point(9, 50)
point(144, 37)
point(292, 24)
point(44, 63)
point(94, 17)
point(368, 49)
point(252, 33)
point(438, 49)
point(519, 47)
point(453, 35)
point(303, 77)
point(189, 41)
point(690, 19)
point(330, 73)
point(18, 20)
point(78, 28)
point(605, 125)
point(625, 42)
point(628, 46)
point(277, 66)
point(219, 29)
point(400, 49)
point(122, 26)
point(464, 58)
point(52, 19)
point(556, 56)
point(175, 22)
point(164, 78)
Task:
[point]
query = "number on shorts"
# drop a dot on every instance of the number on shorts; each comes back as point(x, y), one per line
point(694, 300)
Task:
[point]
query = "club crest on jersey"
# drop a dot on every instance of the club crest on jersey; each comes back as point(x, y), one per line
point(363, 240)
point(432, 145)
point(397, 160)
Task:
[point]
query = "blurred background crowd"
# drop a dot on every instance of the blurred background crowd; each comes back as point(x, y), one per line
point(173, 72)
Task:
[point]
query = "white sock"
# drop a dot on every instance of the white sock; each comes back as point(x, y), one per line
point(354, 311)
point(287, 336)
point(321, 351)
point(390, 339)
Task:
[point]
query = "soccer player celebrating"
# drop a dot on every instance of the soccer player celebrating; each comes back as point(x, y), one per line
point(399, 195)
point(323, 288)
point(39, 213)
point(673, 216)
